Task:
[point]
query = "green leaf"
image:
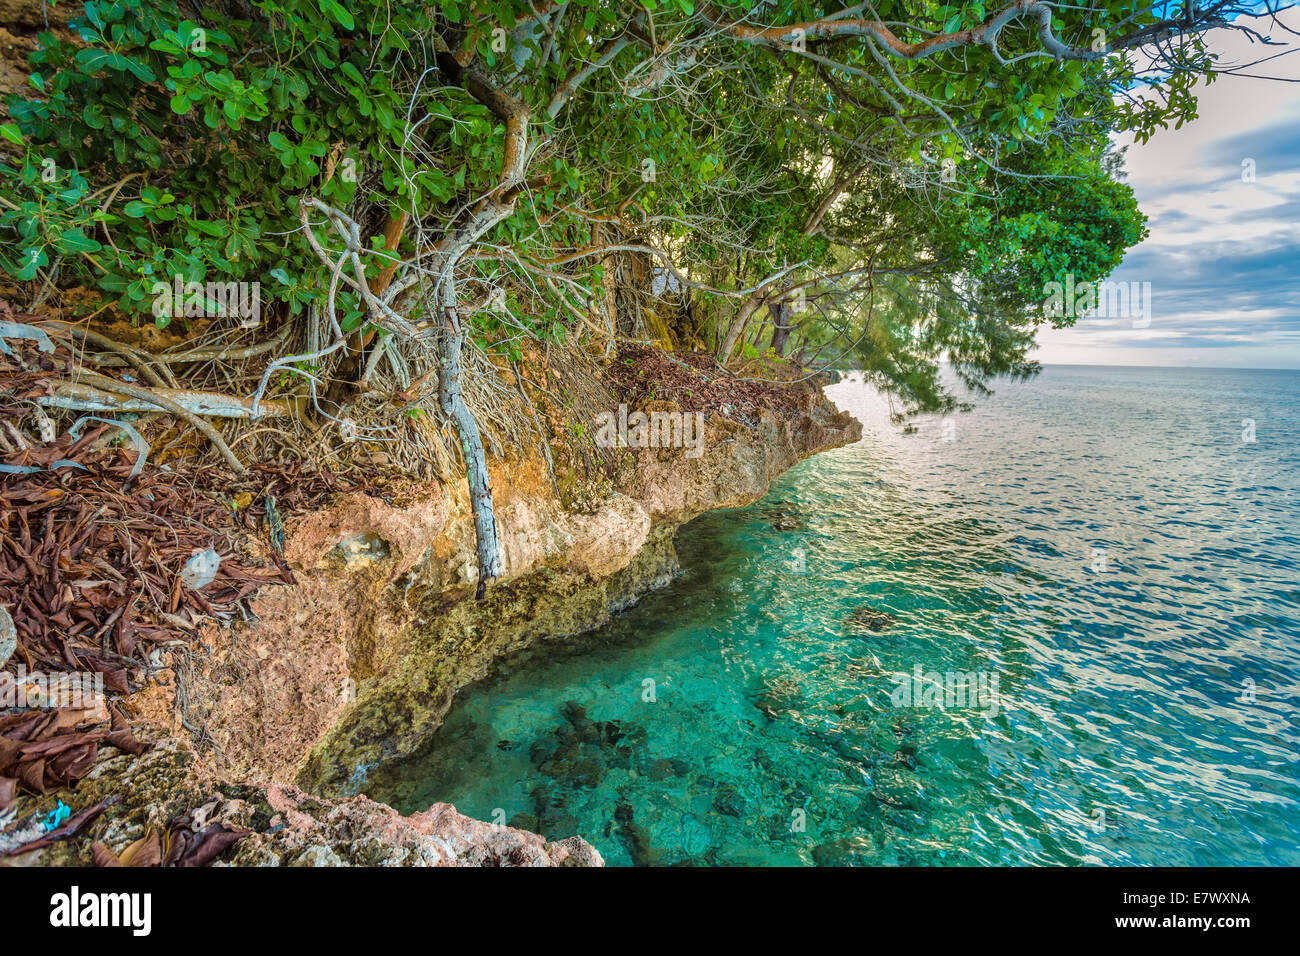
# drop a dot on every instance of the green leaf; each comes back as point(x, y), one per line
point(142, 71)
point(92, 59)
point(210, 228)
point(33, 258)
point(167, 45)
point(220, 81)
point(93, 15)
point(73, 241)
point(340, 15)
point(10, 132)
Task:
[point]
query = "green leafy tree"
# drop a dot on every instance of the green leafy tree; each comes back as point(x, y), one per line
point(475, 173)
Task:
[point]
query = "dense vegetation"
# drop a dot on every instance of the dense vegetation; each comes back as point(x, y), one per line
point(881, 186)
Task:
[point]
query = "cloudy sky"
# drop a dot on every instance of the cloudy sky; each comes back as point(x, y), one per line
point(1223, 257)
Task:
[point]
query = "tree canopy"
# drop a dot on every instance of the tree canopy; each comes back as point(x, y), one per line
point(751, 147)
point(877, 185)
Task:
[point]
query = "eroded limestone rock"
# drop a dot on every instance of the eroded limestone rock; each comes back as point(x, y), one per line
point(290, 827)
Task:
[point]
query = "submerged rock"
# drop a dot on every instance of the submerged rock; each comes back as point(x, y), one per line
point(588, 772)
point(635, 838)
point(557, 823)
point(728, 801)
point(611, 732)
point(663, 768)
point(581, 751)
point(621, 758)
point(906, 755)
point(576, 715)
point(542, 750)
point(849, 851)
point(777, 696)
point(870, 619)
point(784, 518)
point(524, 821)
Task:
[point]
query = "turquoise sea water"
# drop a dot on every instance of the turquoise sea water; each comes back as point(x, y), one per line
point(1100, 557)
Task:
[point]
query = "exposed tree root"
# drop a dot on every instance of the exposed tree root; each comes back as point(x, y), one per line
point(77, 396)
point(156, 398)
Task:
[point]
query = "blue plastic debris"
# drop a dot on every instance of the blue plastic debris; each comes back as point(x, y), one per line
point(54, 819)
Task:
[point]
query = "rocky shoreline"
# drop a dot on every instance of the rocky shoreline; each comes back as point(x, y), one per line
point(273, 726)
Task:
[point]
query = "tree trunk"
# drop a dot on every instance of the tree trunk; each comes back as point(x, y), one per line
point(738, 326)
point(781, 325)
point(496, 207)
point(811, 226)
point(453, 406)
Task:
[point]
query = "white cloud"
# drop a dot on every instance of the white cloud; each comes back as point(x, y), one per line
point(1223, 256)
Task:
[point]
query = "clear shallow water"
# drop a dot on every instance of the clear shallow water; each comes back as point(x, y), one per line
point(1102, 543)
